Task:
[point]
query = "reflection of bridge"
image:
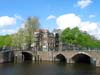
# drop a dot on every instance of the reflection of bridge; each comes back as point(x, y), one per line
point(90, 57)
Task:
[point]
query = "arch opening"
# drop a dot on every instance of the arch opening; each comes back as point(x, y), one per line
point(82, 58)
point(60, 58)
point(27, 57)
point(8, 57)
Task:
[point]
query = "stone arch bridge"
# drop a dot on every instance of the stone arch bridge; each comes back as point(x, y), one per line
point(17, 56)
point(68, 56)
point(72, 56)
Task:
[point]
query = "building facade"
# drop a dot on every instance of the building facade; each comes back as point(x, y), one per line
point(46, 41)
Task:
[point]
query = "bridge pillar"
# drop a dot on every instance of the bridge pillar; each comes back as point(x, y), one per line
point(69, 60)
point(1, 58)
point(18, 58)
point(98, 62)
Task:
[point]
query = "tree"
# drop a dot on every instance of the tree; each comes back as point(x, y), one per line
point(25, 36)
point(78, 38)
point(70, 35)
point(31, 25)
point(5, 41)
point(18, 39)
point(1, 42)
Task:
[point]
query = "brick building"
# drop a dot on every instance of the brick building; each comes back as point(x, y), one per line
point(49, 41)
point(44, 40)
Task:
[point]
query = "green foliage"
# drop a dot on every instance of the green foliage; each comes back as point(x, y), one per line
point(1, 41)
point(25, 36)
point(31, 25)
point(5, 41)
point(76, 37)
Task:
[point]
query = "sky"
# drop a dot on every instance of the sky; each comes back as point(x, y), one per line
point(52, 14)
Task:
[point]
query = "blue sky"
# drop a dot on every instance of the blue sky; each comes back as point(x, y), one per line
point(52, 14)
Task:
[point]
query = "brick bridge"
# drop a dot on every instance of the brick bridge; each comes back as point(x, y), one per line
point(69, 56)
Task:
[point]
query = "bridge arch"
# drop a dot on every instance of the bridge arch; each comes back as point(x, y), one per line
point(60, 58)
point(82, 57)
point(26, 56)
point(8, 57)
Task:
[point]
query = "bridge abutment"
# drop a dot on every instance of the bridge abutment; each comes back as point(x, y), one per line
point(1, 58)
point(98, 62)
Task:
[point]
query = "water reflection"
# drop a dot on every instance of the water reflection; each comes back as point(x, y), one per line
point(84, 69)
point(46, 68)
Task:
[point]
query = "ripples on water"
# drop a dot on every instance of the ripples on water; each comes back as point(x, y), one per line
point(48, 69)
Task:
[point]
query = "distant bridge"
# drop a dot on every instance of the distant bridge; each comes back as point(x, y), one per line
point(68, 56)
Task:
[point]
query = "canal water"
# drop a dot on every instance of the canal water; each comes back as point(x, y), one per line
point(47, 68)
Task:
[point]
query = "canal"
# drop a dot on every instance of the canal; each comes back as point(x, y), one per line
point(48, 68)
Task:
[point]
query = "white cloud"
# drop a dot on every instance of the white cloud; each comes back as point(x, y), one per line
point(9, 21)
point(68, 20)
point(88, 26)
point(91, 16)
point(72, 20)
point(18, 17)
point(51, 17)
point(6, 21)
point(8, 31)
point(84, 3)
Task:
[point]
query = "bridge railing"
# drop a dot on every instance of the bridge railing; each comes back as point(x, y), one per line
point(11, 50)
point(96, 50)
